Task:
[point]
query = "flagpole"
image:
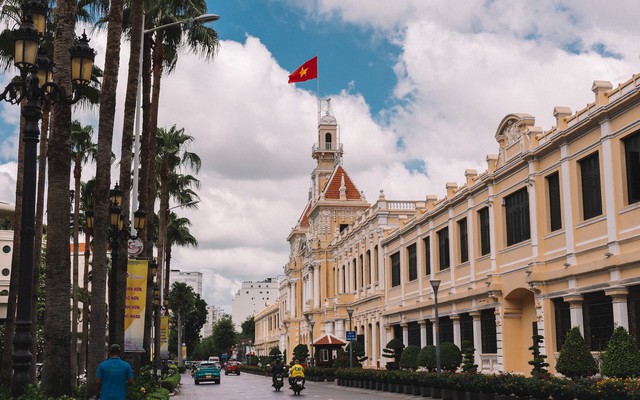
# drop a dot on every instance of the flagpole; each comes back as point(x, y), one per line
point(318, 89)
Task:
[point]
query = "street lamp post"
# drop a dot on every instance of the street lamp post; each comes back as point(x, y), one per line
point(35, 86)
point(435, 284)
point(311, 323)
point(350, 312)
point(117, 229)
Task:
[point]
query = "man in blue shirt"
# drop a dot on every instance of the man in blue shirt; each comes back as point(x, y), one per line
point(113, 375)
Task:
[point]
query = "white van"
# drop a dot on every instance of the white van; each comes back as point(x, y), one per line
point(214, 359)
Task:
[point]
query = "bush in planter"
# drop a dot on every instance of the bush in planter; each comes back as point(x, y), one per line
point(575, 360)
point(409, 358)
point(393, 351)
point(539, 364)
point(501, 384)
point(450, 356)
point(329, 374)
point(622, 357)
point(585, 389)
point(427, 358)
point(468, 357)
point(562, 389)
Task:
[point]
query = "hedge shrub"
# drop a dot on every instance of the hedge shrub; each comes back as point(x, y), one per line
point(427, 358)
point(393, 350)
point(622, 357)
point(575, 360)
point(450, 356)
point(409, 358)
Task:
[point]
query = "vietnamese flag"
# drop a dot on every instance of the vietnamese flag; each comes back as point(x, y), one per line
point(307, 71)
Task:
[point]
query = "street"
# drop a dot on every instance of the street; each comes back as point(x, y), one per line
point(248, 386)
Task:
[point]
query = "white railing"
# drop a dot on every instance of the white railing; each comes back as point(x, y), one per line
point(401, 205)
point(488, 363)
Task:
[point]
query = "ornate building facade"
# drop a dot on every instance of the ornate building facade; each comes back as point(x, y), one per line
point(546, 238)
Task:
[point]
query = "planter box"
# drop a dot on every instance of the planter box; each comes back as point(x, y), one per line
point(436, 393)
point(472, 396)
point(393, 387)
point(487, 396)
point(385, 386)
point(425, 391)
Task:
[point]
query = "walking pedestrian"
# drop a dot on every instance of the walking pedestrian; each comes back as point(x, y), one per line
point(113, 375)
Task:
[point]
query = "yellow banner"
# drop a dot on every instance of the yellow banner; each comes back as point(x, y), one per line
point(164, 337)
point(135, 305)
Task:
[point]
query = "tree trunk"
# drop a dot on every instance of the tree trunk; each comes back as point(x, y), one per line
point(143, 191)
point(57, 339)
point(163, 214)
point(10, 323)
point(103, 182)
point(127, 139)
point(179, 338)
point(77, 174)
point(37, 247)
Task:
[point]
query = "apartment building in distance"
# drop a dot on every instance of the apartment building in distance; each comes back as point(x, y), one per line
point(191, 278)
point(252, 297)
point(546, 238)
point(214, 314)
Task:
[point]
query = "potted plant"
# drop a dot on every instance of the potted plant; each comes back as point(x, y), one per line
point(485, 385)
point(562, 389)
point(502, 386)
point(329, 374)
point(585, 389)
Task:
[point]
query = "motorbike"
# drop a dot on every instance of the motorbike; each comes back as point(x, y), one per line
point(278, 383)
point(298, 385)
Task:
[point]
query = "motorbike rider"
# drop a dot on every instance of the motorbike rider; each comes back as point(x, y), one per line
point(277, 368)
point(296, 371)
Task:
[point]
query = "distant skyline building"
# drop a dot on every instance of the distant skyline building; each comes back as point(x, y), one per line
point(214, 314)
point(191, 278)
point(252, 298)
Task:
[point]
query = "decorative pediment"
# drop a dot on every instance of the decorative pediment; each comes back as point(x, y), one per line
point(511, 133)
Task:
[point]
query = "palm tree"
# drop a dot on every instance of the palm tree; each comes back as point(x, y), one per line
point(83, 149)
point(103, 184)
point(163, 54)
point(178, 234)
point(57, 351)
point(172, 155)
point(86, 200)
point(181, 300)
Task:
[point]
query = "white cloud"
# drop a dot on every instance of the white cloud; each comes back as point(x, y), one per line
point(461, 69)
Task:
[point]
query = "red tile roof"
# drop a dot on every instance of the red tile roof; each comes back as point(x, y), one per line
point(328, 339)
point(304, 219)
point(332, 187)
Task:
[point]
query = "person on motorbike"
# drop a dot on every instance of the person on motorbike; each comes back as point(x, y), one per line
point(296, 371)
point(278, 368)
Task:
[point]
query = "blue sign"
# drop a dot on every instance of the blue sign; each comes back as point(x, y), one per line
point(351, 336)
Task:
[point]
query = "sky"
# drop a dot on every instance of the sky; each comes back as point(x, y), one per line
point(418, 89)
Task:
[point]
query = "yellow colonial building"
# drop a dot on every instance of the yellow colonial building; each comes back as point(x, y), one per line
point(546, 238)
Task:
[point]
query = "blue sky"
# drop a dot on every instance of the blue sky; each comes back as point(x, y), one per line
point(418, 89)
point(351, 57)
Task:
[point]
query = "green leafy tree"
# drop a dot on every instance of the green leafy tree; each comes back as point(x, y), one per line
point(393, 351)
point(427, 357)
point(249, 328)
point(468, 357)
point(224, 336)
point(539, 364)
point(622, 357)
point(450, 356)
point(194, 321)
point(301, 352)
point(181, 302)
point(275, 353)
point(409, 358)
point(575, 360)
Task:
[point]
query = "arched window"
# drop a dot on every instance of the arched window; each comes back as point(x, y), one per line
point(327, 141)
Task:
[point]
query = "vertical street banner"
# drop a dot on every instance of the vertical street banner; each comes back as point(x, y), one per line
point(164, 337)
point(135, 305)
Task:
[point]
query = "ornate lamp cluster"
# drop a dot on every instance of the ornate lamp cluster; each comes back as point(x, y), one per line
point(36, 70)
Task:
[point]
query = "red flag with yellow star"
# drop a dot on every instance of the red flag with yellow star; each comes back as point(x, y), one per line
point(307, 71)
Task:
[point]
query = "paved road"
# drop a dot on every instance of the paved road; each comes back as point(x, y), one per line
point(253, 387)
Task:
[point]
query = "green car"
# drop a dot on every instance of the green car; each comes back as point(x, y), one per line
point(207, 371)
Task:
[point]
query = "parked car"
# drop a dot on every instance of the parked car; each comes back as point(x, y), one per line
point(232, 367)
point(207, 371)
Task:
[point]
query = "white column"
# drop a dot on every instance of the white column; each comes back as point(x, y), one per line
point(374, 344)
point(609, 194)
point(575, 311)
point(290, 300)
point(423, 333)
point(452, 253)
point(371, 267)
point(533, 210)
point(356, 266)
point(492, 228)
point(471, 231)
point(405, 334)
point(340, 330)
point(457, 337)
point(293, 299)
point(619, 304)
point(477, 337)
point(316, 286)
point(567, 206)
